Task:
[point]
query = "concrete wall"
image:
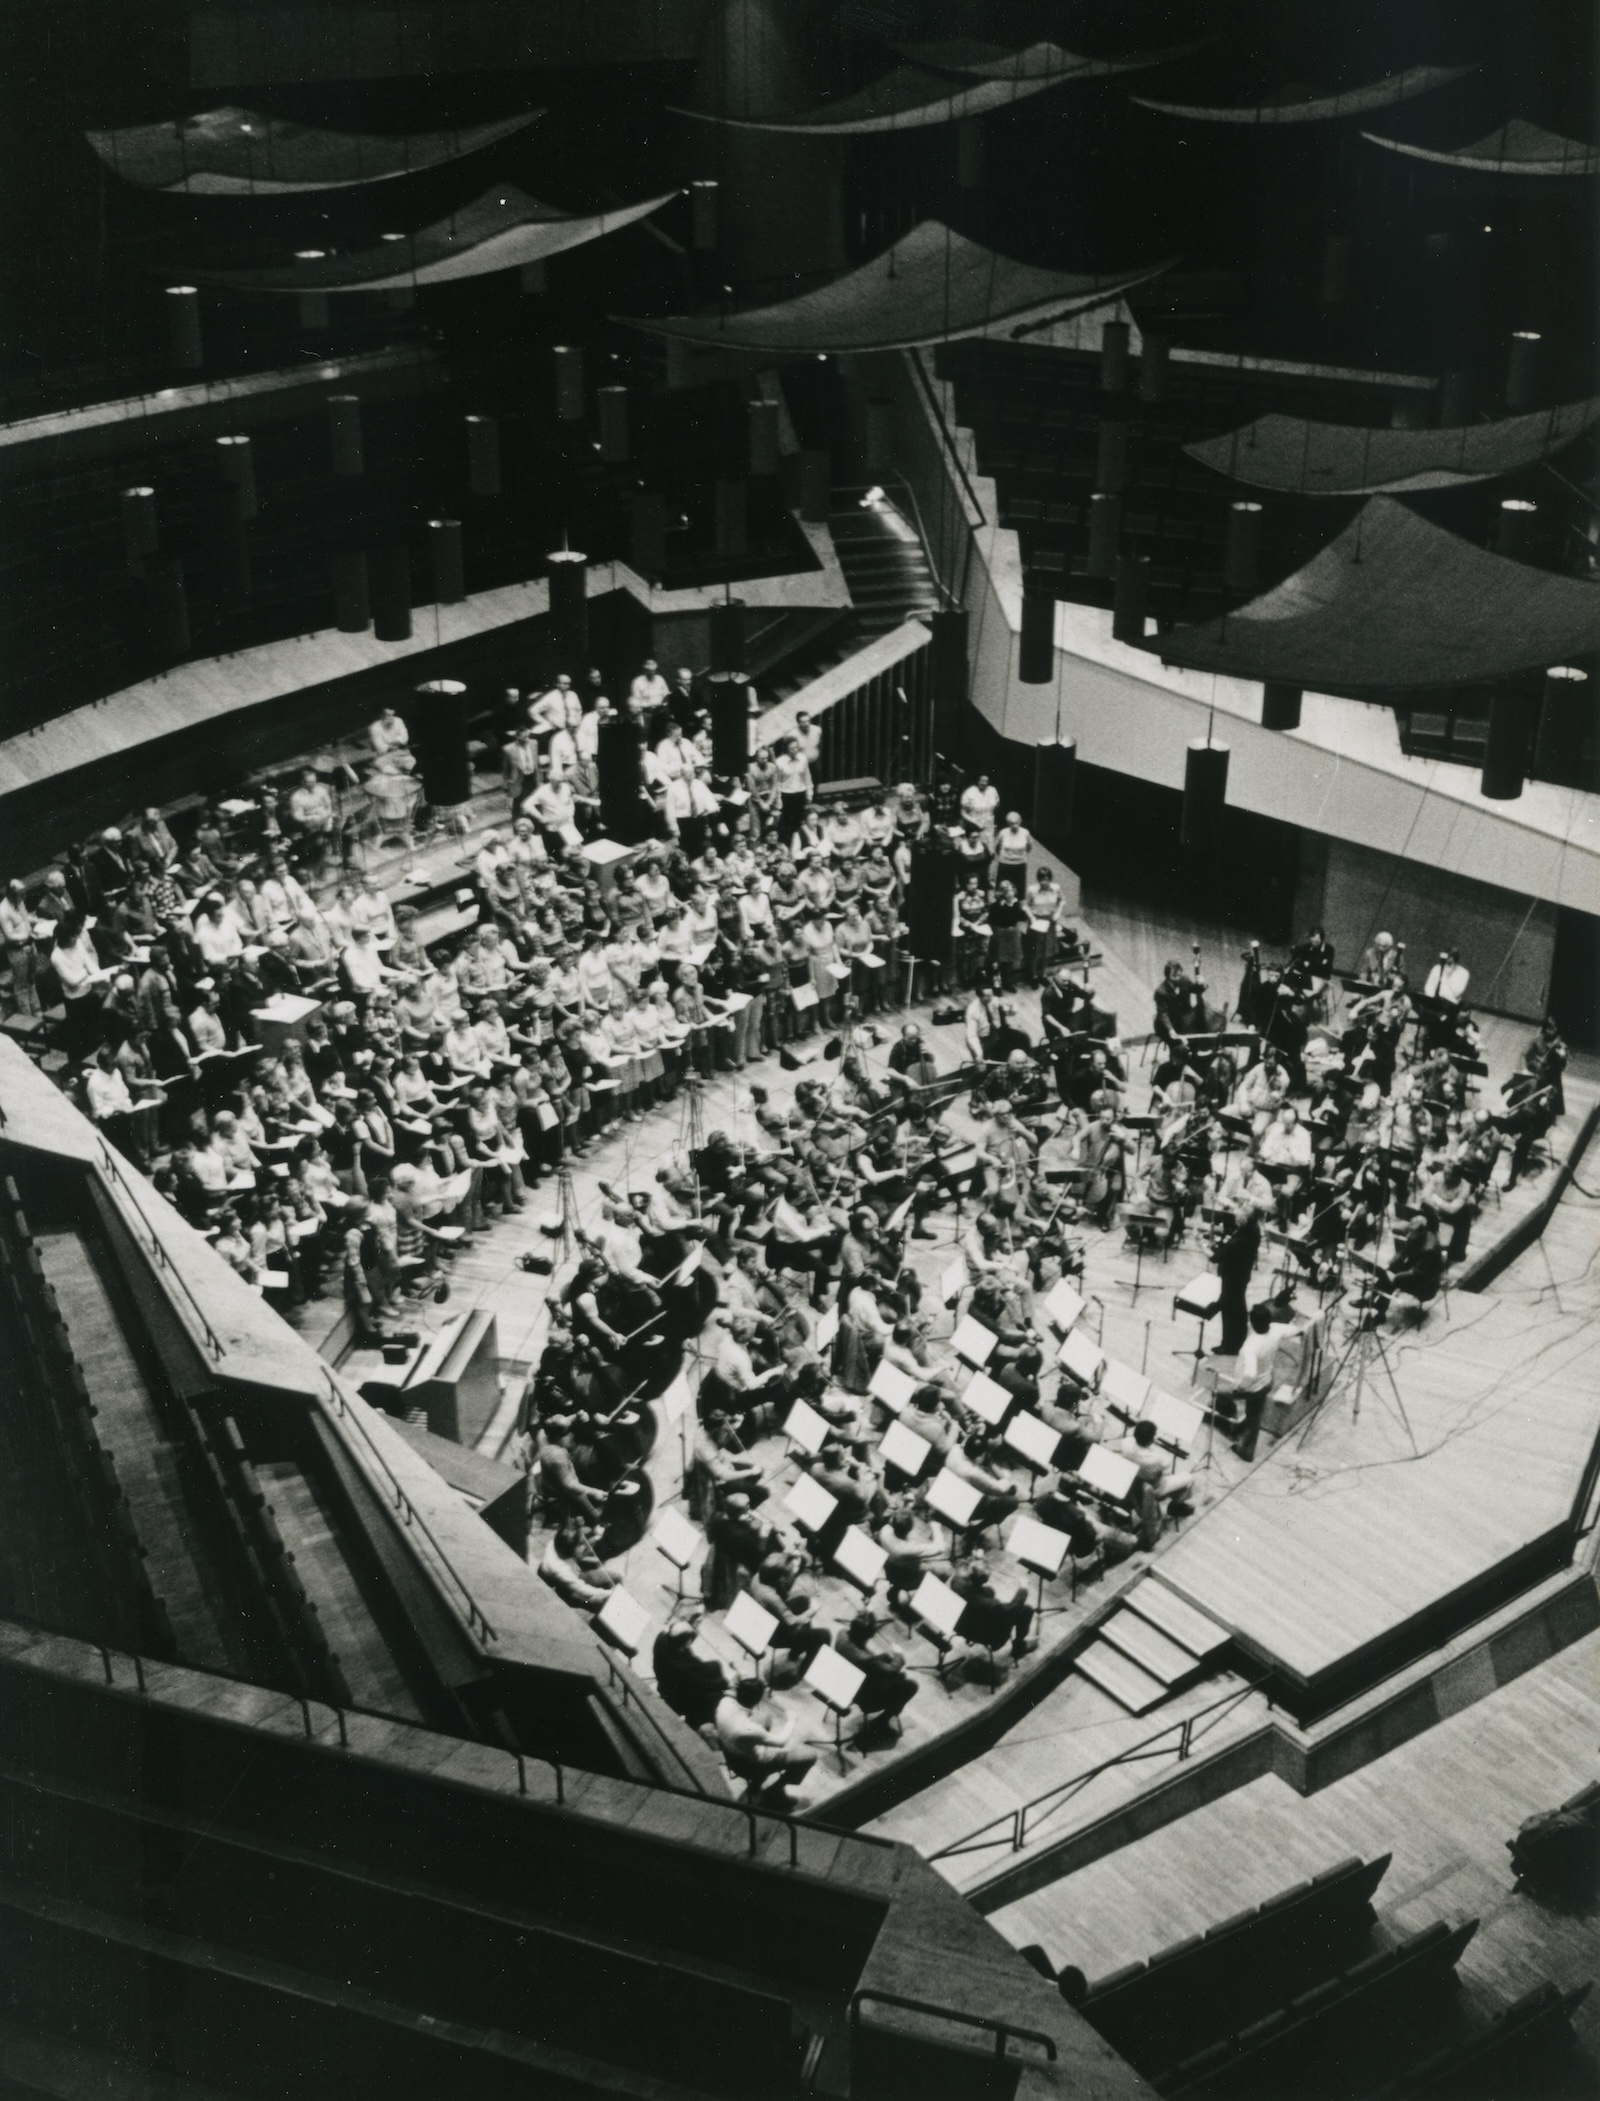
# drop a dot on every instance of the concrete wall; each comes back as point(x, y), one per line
point(1506, 941)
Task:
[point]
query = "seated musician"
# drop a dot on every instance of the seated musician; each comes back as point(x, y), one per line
point(691, 1684)
point(1448, 1198)
point(887, 1687)
point(762, 1743)
point(910, 1061)
point(573, 1570)
point(1090, 1533)
point(797, 1633)
point(997, 1497)
point(1090, 1077)
point(1285, 1147)
point(990, 1619)
point(1166, 1193)
point(1529, 1113)
point(1164, 1485)
point(1263, 1090)
point(1102, 1150)
point(1409, 1286)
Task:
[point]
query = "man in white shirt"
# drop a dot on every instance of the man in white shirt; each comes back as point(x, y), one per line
point(388, 733)
point(311, 812)
point(1252, 1378)
point(648, 693)
point(113, 1107)
point(757, 1734)
point(361, 965)
point(794, 786)
point(552, 806)
point(548, 713)
point(1286, 1145)
point(1449, 978)
point(808, 736)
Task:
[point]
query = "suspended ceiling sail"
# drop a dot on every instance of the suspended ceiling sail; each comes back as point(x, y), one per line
point(1341, 459)
point(1396, 601)
point(500, 230)
point(1045, 60)
point(933, 285)
point(239, 153)
point(1517, 148)
point(905, 99)
point(1290, 108)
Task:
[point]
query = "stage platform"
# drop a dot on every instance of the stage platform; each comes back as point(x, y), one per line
point(1434, 1481)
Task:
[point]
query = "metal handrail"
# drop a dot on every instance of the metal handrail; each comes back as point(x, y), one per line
point(1002, 2031)
point(633, 1703)
point(477, 1619)
point(854, 488)
point(752, 1815)
point(164, 1261)
point(945, 437)
point(1012, 1825)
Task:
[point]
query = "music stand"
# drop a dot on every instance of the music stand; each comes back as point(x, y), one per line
point(987, 1399)
point(623, 1621)
point(676, 1539)
point(1178, 1423)
point(938, 1606)
point(804, 1427)
point(835, 1681)
point(1033, 1440)
point(1107, 1474)
point(905, 1450)
point(752, 1627)
point(811, 1506)
point(1083, 1359)
point(827, 1329)
point(1040, 1548)
point(892, 1387)
point(973, 1342)
point(953, 1282)
point(1126, 1392)
point(1201, 1299)
point(956, 1501)
point(1063, 1306)
point(860, 1558)
point(1134, 1222)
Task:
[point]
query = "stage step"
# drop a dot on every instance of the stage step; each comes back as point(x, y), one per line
point(1177, 1619)
point(1121, 1677)
point(1152, 1650)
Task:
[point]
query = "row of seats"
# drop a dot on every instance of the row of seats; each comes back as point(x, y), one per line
point(132, 1612)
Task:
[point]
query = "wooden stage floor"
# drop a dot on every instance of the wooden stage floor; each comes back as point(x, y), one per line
point(1453, 1454)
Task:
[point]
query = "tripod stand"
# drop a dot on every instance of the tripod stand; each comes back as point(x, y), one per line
point(1365, 1342)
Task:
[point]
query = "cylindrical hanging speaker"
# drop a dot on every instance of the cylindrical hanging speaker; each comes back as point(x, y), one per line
point(1128, 600)
point(1114, 357)
point(731, 530)
point(1105, 528)
point(1505, 751)
point(703, 199)
point(233, 544)
point(619, 761)
point(344, 435)
point(1516, 528)
point(483, 456)
point(437, 720)
point(141, 532)
point(447, 561)
point(183, 326)
point(648, 551)
point(1563, 721)
point(351, 597)
point(1205, 796)
point(237, 467)
point(879, 438)
point(1524, 370)
point(1155, 352)
point(931, 900)
point(764, 437)
point(730, 723)
point(167, 609)
point(816, 485)
point(1458, 396)
point(313, 305)
point(1338, 268)
point(1280, 706)
point(389, 576)
point(949, 675)
point(1036, 650)
point(727, 635)
point(969, 154)
point(1055, 783)
point(569, 608)
point(1241, 553)
point(567, 362)
point(1111, 456)
point(611, 405)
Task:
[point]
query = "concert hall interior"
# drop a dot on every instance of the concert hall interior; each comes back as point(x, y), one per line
point(799, 1050)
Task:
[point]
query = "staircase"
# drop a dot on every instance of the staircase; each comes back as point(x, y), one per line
point(1153, 1645)
point(884, 565)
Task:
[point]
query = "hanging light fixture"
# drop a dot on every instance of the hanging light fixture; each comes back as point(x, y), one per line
point(1036, 649)
point(1524, 363)
point(1241, 554)
point(483, 455)
point(1558, 748)
point(1516, 528)
point(1055, 784)
point(1505, 750)
point(1280, 706)
point(611, 405)
point(183, 326)
point(344, 435)
point(1128, 599)
point(446, 561)
point(569, 608)
point(1205, 795)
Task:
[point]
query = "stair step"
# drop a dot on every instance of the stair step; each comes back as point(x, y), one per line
point(1176, 1618)
point(1152, 1650)
point(1122, 1678)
